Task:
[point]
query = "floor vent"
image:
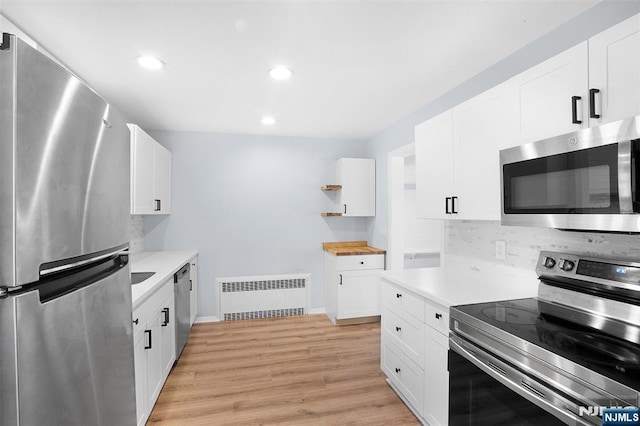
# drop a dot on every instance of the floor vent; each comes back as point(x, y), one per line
point(263, 296)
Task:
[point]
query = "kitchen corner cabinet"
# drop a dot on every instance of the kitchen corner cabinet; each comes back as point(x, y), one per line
point(457, 161)
point(193, 289)
point(414, 350)
point(355, 189)
point(357, 176)
point(150, 174)
point(154, 347)
point(352, 287)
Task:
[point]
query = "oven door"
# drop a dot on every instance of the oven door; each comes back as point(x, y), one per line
point(485, 390)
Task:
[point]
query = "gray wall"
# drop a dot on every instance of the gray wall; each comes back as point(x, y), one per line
point(594, 20)
point(251, 206)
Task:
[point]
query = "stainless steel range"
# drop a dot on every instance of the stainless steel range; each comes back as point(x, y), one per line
point(560, 358)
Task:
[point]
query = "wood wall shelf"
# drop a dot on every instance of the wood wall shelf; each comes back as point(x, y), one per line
point(330, 214)
point(331, 187)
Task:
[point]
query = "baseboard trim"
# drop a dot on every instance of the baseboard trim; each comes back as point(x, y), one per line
point(315, 311)
point(200, 320)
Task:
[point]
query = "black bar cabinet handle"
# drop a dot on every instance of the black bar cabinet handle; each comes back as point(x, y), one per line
point(190, 285)
point(438, 316)
point(398, 296)
point(446, 205)
point(136, 321)
point(158, 207)
point(398, 328)
point(165, 322)
point(148, 333)
point(574, 109)
point(345, 209)
point(453, 205)
point(397, 370)
point(340, 279)
point(592, 103)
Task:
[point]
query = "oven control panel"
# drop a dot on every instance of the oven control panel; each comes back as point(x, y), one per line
point(586, 268)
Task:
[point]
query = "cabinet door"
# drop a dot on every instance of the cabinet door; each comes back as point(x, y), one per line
point(614, 70)
point(167, 335)
point(481, 127)
point(546, 92)
point(142, 186)
point(357, 177)
point(162, 179)
point(358, 294)
point(193, 295)
point(140, 357)
point(434, 166)
point(154, 358)
point(436, 401)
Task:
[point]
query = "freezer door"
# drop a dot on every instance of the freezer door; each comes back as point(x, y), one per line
point(73, 356)
point(71, 167)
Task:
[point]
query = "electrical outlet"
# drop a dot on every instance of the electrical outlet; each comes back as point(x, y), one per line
point(501, 250)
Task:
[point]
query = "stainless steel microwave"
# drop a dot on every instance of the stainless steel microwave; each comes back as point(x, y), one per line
point(586, 180)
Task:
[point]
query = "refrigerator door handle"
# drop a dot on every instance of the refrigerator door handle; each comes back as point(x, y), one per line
point(81, 263)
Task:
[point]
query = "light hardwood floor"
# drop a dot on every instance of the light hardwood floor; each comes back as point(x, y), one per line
point(296, 371)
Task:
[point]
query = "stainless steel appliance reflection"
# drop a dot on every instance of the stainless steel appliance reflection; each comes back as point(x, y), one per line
point(66, 351)
point(586, 180)
point(554, 359)
point(182, 290)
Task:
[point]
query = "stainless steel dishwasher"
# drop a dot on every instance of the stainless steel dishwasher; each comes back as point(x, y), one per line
point(182, 284)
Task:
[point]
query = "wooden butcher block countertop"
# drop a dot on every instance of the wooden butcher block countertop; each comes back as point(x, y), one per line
point(351, 248)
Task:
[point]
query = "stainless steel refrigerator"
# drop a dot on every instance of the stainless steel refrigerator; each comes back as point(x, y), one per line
point(66, 347)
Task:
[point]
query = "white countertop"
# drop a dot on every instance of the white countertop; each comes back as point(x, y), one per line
point(163, 263)
point(454, 286)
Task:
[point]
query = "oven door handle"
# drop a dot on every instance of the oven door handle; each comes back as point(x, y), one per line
point(543, 396)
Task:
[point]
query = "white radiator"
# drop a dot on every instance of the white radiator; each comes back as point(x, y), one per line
point(263, 296)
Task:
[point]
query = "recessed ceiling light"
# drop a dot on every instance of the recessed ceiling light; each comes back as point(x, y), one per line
point(280, 73)
point(268, 120)
point(150, 62)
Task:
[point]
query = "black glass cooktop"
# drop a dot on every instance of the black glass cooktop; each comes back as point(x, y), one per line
point(545, 325)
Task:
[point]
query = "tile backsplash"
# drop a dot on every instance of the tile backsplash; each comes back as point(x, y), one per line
point(475, 242)
point(136, 234)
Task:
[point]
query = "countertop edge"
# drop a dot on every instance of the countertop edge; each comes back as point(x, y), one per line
point(171, 262)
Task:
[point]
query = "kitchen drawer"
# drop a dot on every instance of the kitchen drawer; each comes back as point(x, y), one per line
point(400, 300)
point(437, 317)
point(406, 376)
point(365, 261)
point(149, 307)
point(406, 332)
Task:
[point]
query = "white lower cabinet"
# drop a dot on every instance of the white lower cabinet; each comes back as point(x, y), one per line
point(436, 395)
point(414, 351)
point(193, 289)
point(154, 347)
point(352, 286)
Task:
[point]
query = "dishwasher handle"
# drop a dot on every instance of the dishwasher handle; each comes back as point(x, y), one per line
point(181, 273)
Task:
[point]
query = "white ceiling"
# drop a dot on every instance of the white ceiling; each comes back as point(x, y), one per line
point(359, 66)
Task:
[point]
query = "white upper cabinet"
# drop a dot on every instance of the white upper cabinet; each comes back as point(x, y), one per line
point(150, 174)
point(553, 95)
point(457, 152)
point(457, 160)
point(482, 126)
point(435, 167)
point(357, 176)
point(614, 72)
